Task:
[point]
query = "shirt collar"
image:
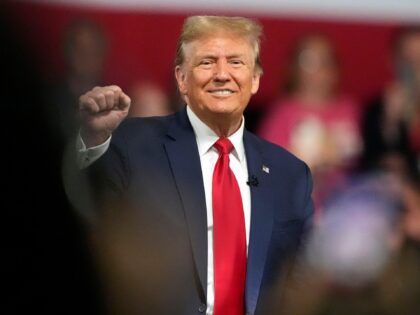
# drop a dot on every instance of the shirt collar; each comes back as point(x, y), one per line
point(206, 137)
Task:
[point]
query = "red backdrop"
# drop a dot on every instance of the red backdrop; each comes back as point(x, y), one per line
point(142, 45)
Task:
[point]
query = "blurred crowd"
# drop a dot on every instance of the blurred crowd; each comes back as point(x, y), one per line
point(364, 157)
point(337, 135)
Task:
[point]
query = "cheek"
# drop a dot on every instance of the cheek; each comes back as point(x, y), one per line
point(200, 77)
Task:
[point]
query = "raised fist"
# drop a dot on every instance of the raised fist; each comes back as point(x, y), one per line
point(101, 110)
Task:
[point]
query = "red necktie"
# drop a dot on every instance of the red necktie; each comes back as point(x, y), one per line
point(229, 242)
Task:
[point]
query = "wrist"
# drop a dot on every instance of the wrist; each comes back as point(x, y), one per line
point(95, 138)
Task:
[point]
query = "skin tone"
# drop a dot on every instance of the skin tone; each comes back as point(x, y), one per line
point(101, 110)
point(217, 80)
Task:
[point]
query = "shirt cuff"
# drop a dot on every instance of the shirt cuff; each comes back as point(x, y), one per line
point(86, 156)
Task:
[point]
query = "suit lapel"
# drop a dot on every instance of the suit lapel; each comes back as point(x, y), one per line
point(261, 221)
point(182, 151)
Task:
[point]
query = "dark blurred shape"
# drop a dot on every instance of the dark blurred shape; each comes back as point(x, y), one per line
point(138, 277)
point(312, 118)
point(411, 217)
point(84, 50)
point(391, 127)
point(47, 266)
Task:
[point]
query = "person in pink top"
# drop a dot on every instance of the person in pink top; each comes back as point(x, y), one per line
point(312, 119)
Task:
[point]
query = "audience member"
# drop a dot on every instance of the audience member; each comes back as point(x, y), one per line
point(391, 127)
point(313, 120)
point(84, 45)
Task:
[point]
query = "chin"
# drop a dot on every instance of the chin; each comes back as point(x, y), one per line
point(222, 112)
point(223, 107)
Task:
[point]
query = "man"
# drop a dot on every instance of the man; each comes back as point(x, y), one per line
point(216, 210)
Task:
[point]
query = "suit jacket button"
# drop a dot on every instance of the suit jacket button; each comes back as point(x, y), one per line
point(202, 308)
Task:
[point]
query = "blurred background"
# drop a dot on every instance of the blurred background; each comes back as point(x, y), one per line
point(341, 90)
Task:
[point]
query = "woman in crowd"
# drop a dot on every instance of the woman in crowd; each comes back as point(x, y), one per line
point(312, 119)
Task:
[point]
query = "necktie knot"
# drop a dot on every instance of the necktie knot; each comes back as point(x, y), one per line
point(223, 145)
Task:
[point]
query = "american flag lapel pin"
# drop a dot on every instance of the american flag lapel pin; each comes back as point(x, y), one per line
point(266, 169)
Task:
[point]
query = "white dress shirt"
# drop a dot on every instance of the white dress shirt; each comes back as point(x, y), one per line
point(205, 138)
point(208, 157)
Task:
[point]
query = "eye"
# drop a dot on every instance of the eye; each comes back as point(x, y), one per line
point(236, 62)
point(205, 63)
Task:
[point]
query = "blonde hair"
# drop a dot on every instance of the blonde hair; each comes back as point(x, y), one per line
point(196, 27)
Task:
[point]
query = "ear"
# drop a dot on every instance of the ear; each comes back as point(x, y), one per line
point(180, 76)
point(255, 82)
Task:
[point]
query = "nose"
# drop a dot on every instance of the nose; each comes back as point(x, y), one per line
point(221, 71)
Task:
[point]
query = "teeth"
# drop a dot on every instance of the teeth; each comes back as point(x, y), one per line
point(222, 92)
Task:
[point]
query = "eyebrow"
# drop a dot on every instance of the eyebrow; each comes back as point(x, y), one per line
point(211, 56)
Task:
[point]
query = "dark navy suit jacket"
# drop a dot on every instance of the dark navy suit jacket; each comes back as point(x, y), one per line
point(153, 165)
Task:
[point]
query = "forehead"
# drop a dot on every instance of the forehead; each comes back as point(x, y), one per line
point(219, 44)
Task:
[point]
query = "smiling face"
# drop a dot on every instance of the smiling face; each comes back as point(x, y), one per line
point(218, 77)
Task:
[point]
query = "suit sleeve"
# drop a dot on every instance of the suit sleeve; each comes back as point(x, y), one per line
point(108, 177)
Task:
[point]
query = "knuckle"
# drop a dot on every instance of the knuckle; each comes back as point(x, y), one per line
point(109, 93)
point(115, 88)
point(90, 102)
point(100, 96)
point(85, 100)
point(90, 94)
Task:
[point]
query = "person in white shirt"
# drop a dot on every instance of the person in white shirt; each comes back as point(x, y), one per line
point(219, 224)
